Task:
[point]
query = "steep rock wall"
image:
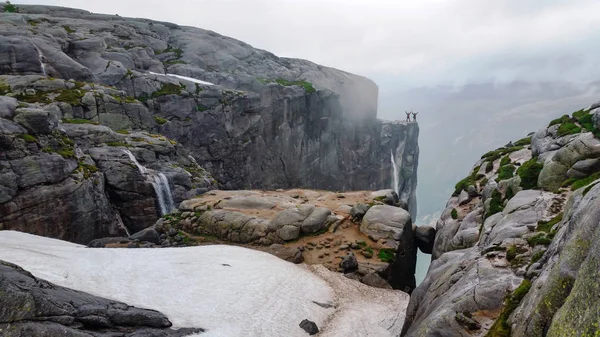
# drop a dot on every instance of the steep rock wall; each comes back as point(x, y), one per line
point(516, 249)
point(268, 122)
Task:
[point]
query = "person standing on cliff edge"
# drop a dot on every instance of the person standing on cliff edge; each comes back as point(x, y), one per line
point(407, 116)
point(415, 116)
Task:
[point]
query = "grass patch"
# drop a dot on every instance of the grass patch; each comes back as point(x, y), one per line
point(160, 120)
point(308, 87)
point(454, 214)
point(72, 97)
point(28, 138)
point(513, 251)
point(123, 132)
point(37, 97)
point(168, 89)
point(506, 172)
point(79, 121)
point(178, 52)
point(583, 182)
point(386, 255)
point(523, 141)
point(546, 226)
point(509, 194)
point(495, 204)
point(501, 328)
point(118, 143)
point(587, 189)
point(505, 161)
point(489, 167)
point(69, 29)
point(539, 239)
point(562, 119)
point(86, 169)
point(568, 129)
point(466, 182)
point(4, 89)
point(529, 173)
point(496, 154)
point(537, 256)
point(483, 182)
point(66, 153)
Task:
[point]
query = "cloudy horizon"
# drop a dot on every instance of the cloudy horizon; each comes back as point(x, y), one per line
point(400, 44)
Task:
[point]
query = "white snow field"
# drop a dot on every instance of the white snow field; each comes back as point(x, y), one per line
point(227, 290)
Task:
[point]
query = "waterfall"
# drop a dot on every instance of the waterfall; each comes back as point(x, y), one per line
point(395, 172)
point(163, 193)
point(159, 182)
point(41, 58)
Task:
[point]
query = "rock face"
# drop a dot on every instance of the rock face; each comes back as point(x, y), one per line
point(76, 180)
point(34, 307)
point(268, 122)
point(518, 254)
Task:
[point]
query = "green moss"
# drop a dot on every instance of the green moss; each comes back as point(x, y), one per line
point(509, 194)
point(37, 97)
point(505, 161)
point(454, 214)
point(201, 108)
point(546, 226)
point(529, 173)
point(496, 154)
point(86, 169)
point(160, 120)
point(69, 29)
point(523, 142)
point(513, 251)
point(4, 89)
point(123, 132)
point(308, 87)
point(66, 153)
point(70, 96)
point(587, 189)
point(28, 138)
point(495, 204)
point(568, 129)
point(537, 256)
point(126, 99)
point(584, 119)
point(506, 172)
point(167, 89)
point(386, 255)
point(466, 182)
point(483, 182)
point(489, 167)
point(501, 328)
point(118, 143)
point(178, 52)
point(539, 239)
point(79, 121)
point(585, 181)
point(561, 120)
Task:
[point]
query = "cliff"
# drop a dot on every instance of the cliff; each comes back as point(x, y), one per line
point(251, 119)
point(516, 249)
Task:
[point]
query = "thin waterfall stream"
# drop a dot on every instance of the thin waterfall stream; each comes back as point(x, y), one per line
point(159, 182)
point(395, 176)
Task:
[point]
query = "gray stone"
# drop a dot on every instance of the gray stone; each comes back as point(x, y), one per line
point(374, 280)
point(425, 236)
point(349, 263)
point(148, 234)
point(288, 232)
point(383, 221)
point(358, 211)
point(309, 326)
point(317, 220)
point(60, 311)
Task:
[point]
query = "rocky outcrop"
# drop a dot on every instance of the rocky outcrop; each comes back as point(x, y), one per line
point(72, 179)
point(515, 248)
point(34, 307)
point(267, 122)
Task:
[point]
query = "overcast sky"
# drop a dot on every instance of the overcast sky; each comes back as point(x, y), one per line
point(406, 43)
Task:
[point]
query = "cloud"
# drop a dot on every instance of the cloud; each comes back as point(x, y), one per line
point(417, 42)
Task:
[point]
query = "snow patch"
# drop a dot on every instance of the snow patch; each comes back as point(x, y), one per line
point(228, 290)
point(184, 78)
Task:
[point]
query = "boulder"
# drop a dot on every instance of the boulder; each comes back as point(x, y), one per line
point(288, 232)
point(148, 234)
point(388, 197)
point(290, 254)
point(358, 211)
point(8, 105)
point(36, 121)
point(317, 220)
point(384, 221)
point(309, 326)
point(64, 312)
point(102, 242)
point(374, 280)
point(425, 237)
point(349, 263)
